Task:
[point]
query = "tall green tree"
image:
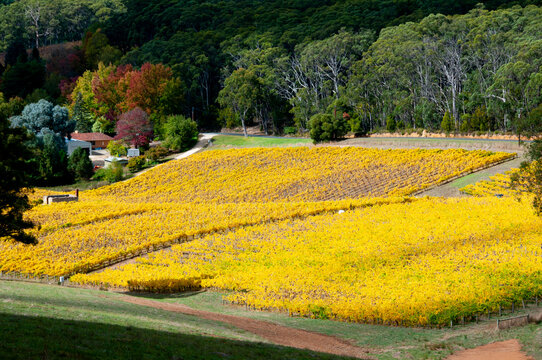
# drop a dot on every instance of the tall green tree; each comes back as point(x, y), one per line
point(241, 93)
point(16, 171)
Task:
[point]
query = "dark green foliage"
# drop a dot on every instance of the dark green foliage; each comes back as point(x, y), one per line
point(82, 117)
point(155, 153)
point(181, 133)
point(529, 179)
point(79, 165)
point(15, 168)
point(135, 164)
point(16, 51)
point(447, 124)
point(391, 124)
point(114, 173)
point(36, 54)
point(96, 49)
point(326, 127)
point(534, 150)
point(22, 78)
point(198, 38)
point(52, 161)
point(51, 125)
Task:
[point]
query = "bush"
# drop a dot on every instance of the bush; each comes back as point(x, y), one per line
point(447, 124)
point(391, 125)
point(136, 163)
point(80, 165)
point(357, 126)
point(181, 133)
point(534, 150)
point(155, 153)
point(325, 127)
point(290, 130)
point(111, 174)
point(116, 148)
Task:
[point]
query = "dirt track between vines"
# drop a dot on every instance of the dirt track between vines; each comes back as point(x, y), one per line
point(274, 333)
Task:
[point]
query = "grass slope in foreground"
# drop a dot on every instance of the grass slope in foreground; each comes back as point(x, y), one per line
point(46, 322)
point(39, 322)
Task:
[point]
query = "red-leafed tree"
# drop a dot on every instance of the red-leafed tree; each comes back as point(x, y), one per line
point(110, 91)
point(144, 87)
point(134, 127)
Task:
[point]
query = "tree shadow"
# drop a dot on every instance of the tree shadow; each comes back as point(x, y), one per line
point(33, 337)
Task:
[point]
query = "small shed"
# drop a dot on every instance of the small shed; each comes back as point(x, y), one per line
point(111, 159)
point(73, 144)
point(133, 153)
point(98, 140)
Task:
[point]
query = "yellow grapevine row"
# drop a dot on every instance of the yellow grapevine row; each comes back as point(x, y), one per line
point(296, 174)
point(418, 263)
point(499, 184)
point(96, 237)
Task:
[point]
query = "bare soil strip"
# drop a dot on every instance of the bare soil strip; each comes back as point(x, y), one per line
point(274, 333)
point(504, 350)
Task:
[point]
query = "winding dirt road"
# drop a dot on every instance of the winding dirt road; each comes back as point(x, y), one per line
point(274, 333)
point(504, 350)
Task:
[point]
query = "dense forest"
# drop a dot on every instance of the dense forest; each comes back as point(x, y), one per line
point(289, 66)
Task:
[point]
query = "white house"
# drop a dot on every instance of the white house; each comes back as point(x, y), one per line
point(74, 144)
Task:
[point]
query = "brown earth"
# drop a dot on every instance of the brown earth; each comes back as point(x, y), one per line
point(504, 350)
point(274, 333)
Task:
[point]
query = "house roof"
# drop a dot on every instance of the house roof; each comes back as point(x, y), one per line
point(90, 136)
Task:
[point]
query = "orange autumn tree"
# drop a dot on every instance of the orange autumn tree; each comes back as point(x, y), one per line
point(115, 90)
point(143, 88)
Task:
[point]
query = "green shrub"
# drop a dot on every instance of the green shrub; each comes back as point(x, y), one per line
point(114, 173)
point(391, 125)
point(290, 130)
point(447, 124)
point(325, 127)
point(116, 148)
point(180, 133)
point(357, 126)
point(156, 153)
point(80, 165)
point(135, 164)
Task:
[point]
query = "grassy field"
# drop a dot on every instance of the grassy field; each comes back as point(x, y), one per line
point(51, 322)
point(232, 141)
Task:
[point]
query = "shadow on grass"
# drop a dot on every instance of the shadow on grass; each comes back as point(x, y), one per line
point(29, 337)
point(160, 296)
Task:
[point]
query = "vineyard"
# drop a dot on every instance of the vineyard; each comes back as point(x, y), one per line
point(497, 185)
point(325, 232)
point(393, 263)
point(297, 174)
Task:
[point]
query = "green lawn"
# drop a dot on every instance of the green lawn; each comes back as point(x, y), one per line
point(52, 322)
point(388, 342)
point(231, 141)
